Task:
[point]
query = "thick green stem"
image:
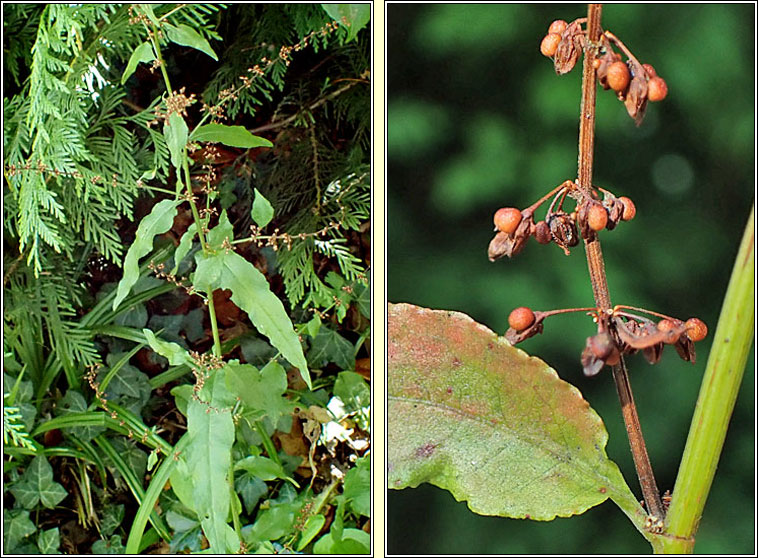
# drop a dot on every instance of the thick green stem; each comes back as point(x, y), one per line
point(718, 393)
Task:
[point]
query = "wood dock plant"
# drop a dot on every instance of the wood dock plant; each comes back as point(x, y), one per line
point(524, 443)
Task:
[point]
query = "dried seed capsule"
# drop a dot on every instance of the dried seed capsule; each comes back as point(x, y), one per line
point(558, 26)
point(649, 70)
point(542, 233)
point(618, 76)
point(629, 209)
point(672, 328)
point(549, 44)
point(597, 217)
point(507, 219)
point(696, 329)
point(521, 318)
point(657, 89)
point(563, 230)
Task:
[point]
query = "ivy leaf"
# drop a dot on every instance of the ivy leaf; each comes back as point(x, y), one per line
point(473, 415)
point(176, 132)
point(111, 546)
point(353, 541)
point(329, 346)
point(49, 541)
point(233, 136)
point(143, 53)
point(353, 390)
point(37, 485)
point(357, 490)
point(16, 526)
point(159, 221)
point(186, 36)
point(262, 211)
point(251, 292)
point(353, 16)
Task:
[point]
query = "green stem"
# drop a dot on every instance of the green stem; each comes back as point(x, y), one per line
point(718, 393)
point(267, 442)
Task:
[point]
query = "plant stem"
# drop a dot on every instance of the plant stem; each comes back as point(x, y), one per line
point(715, 402)
point(597, 267)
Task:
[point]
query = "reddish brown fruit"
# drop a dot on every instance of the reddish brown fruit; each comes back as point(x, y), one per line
point(650, 70)
point(597, 217)
point(657, 89)
point(550, 44)
point(521, 318)
point(618, 76)
point(629, 209)
point(557, 27)
point(696, 329)
point(507, 219)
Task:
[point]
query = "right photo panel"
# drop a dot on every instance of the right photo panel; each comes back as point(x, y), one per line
point(570, 278)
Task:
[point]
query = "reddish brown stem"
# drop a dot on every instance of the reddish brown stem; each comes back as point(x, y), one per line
point(597, 267)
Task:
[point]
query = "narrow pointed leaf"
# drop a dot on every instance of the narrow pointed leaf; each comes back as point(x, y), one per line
point(157, 222)
point(262, 211)
point(499, 429)
point(233, 136)
point(176, 132)
point(186, 36)
point(143, 53)
point(251, 292)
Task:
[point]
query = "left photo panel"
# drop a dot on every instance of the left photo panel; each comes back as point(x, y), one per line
point(186, 278)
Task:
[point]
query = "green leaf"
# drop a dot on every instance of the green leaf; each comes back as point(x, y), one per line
point(186, 36)
point(262, 211)
point(184, 246)
point(312, 528)
point(353, 390)
point(143, 53)
point(261, 391)
point(473, 415)
point(329, 346)
point(262, 467)
point(313, 326)
point(176, 132)
point(233, 136)
point(275, 522)
point(353, 16)
point(159, 221)
point(353, 541)
point(224, 230)
point(111, 546)
point(176, 354)
point(37, 485)
point(251, 292)
point(49, 541)
point(357, 490)
point(16, 526)
point(211, 430)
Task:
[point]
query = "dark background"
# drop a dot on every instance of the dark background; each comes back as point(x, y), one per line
point(478, 120)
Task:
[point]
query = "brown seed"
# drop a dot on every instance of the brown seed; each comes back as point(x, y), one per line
point(550, 44)
point(618, 76)
point(629, 209)
point(507, 219)
point(558, 27)
point(597, 217)
point(521, 318)
point(657, 89)
point(696, 329)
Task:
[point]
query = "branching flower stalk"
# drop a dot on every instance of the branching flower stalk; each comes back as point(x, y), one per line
point(620, 332)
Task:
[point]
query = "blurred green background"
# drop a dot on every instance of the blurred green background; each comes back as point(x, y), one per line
point(478, 120)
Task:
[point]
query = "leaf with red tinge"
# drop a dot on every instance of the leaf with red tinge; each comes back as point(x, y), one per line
point(497, 428)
